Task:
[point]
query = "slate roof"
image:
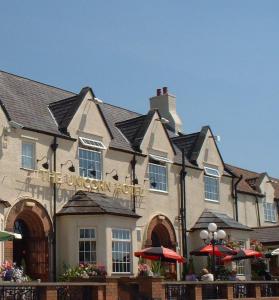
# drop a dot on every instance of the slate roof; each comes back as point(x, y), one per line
point(26, 102)
point(222, 220)
point(250, 181)
point(44, 108)
point(90, 203)
point(268, 234)
point(135, 129)
point(186, 142)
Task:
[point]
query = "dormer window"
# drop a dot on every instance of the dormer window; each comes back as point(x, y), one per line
point(211, 184)
point(28, 155)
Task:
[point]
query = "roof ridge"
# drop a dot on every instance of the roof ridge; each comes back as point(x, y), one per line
point(36, 81)
point(129, 120)
point(185, 135)
point(123, 108)
point(243, 169)
point(61, 100)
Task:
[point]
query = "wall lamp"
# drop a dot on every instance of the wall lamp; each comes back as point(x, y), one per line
point(45, 165)
point(71, 168)
point(135, 181)
point(115, 176)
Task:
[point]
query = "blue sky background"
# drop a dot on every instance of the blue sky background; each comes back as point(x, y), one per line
point(220, 58)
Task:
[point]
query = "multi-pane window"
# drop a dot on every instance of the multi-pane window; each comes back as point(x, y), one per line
point(90, 163)
point(240, 264)
point(121, 251)
point(211, 184)
point(270, 212)
point(158, 176)
point(28, 155)
point(87, 246)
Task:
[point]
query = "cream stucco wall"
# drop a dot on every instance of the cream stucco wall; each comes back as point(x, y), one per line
point(68, 236)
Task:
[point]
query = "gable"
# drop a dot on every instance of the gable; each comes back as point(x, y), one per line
point(88, 120)
point(209, 153)
point(156, 138)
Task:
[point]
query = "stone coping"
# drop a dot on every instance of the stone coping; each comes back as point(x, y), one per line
point(218, 282)
point(42, 284)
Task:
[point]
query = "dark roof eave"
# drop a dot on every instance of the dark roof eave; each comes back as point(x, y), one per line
point(224, 227)
point(251, 193)
point(98, 213)
point(50, 134)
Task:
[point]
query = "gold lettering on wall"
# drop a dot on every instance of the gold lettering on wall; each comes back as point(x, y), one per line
point(89, 184)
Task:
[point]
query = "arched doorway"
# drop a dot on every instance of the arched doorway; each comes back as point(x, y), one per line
point(30, 218)
point(160, 232)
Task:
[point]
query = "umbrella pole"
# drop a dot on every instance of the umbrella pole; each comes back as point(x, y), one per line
point(213, 259)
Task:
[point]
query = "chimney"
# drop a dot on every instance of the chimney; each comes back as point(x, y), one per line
point(166, 105)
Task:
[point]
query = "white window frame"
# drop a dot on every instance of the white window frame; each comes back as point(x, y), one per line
point(155, 188)
point(270, 212)
point(92, 143)
point(32, 157)
point(240, 264)
point(101, 161)
point(160, 158)
point(130, 263)
point(211, 174)
point(87, 240)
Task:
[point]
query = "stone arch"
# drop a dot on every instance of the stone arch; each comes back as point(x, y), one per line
point(29, 210)
point(34, 248)
point(161, 227)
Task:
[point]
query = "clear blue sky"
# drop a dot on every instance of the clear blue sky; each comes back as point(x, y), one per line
point(220, 58)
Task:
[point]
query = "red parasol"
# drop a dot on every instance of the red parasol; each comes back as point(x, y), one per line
point(243, 254)
point(160, 253)
point(219, 250)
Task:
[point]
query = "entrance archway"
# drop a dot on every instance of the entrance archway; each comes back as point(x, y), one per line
point(160, 232)
point(31, 219)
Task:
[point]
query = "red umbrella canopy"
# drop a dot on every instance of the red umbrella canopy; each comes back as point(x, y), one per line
point(243, 254)
point(220, 250)
point(160, 253)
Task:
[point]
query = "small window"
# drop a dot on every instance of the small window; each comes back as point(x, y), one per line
point(211, 184)
point(121, 251)
point(87, 246)
point(92, 143)
point(28, 155)
point(240, 264)
point(158, 176)
point(90, 163)
point(270, 212)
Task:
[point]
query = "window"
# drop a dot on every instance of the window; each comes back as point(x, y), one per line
point(270, 212)
point(240, 264)
point(28, 155)
point(158, 176)
point(92, 143)
point(87, 246)
point(90, 164)
point(211, 184)
point(121, 251)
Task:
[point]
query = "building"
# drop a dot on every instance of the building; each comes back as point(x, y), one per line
point(86, 181)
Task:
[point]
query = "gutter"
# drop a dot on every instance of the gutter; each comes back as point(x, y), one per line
point(258, 211)
point(54, 147)
point(183, 210)
point(235, 195)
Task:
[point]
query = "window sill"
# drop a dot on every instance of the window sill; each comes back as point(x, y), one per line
point(26, 169)
point(272, 222)
point(213, 201)
point(158, 191)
